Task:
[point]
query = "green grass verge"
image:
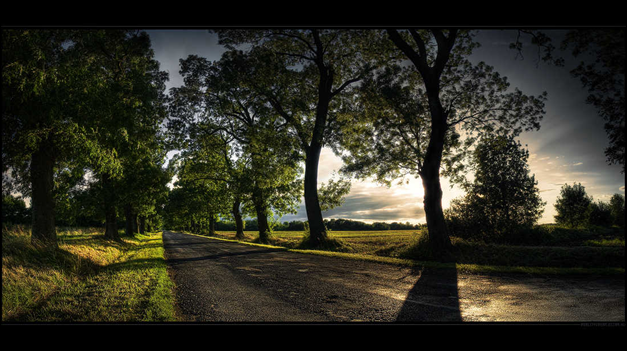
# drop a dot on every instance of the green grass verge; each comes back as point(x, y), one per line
point(88, 279)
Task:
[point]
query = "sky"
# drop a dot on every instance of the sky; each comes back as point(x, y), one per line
point(568, 148)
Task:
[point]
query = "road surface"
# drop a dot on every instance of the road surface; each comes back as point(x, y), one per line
point(219, 281)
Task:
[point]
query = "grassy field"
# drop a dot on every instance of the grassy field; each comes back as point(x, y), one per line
point(548, 249)
point(88, 279)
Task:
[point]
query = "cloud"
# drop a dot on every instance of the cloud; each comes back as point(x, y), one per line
point(379, 205)
point(577, 164)
point(622, 188)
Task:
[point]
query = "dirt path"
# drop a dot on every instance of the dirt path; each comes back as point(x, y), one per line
point(220, 281)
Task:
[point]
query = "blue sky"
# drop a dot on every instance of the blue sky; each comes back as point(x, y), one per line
point(568, 148)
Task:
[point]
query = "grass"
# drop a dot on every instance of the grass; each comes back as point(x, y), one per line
point(88, 279)
point(549, 249)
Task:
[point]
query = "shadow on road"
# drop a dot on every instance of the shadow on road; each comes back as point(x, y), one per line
point(219, 255)
point(434, 298)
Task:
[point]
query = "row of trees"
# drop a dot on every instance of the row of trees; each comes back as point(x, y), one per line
point(576, 208)
point(390, 102)
point(81, 118)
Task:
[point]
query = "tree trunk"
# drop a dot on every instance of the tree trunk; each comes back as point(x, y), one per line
point(430, 174)
point(239, 224)
point(212, 224)
point(317, 230)
point(111, 218)
point(262, 216)
point(142, 224)
point(44, 234)
point(129, 215)
point(439, 239)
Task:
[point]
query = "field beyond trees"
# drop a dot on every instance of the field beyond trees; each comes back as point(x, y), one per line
point(550, 246)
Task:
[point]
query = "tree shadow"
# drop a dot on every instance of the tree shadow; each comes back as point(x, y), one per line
point(434, 297)
point(174, 261)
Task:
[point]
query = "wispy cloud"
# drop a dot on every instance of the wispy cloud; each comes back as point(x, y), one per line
point(577, 164)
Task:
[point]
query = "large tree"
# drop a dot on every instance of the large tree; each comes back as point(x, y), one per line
point(305, 74)
point(48, 86)
point(420, 114)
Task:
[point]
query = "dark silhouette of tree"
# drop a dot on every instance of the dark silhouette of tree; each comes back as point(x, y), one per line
point(573, 206)
point(617, 210)
point(601, 71)
point(503, 198)
point(600, 214)
point(413, 111)
point(304, 74)
point(14, 210)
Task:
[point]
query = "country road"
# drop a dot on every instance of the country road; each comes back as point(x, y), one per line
point(219, 281)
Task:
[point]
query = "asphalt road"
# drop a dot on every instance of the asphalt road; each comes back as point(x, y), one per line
point(218, 281)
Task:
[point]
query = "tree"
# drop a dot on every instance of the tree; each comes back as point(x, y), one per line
point(304, 75)
point(14, 210)
point(573, 206)
point(206, 199)
point(601, 71)
point(617, 210)
point(47, 86)
point(126, 108)
point(260, 166)
point(411, 115)
point(144, 188)
point(503, 198)
point(600, 214)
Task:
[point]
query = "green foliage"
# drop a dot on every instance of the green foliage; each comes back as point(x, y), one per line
point(605, 79)
point(392, 123)
point(234, 137)
point(600, 214)
point(14, 211)
point(80, 99)
point(573, 206)
point(617, 210)
point(332, 194)
point(503, 199)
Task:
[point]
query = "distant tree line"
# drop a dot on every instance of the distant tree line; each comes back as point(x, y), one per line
point(575, 208)
point(331, 224)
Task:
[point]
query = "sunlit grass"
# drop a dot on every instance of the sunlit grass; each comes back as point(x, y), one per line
point(559, 250)
point(89, 279)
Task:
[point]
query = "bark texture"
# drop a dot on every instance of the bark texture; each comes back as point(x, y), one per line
point(44, 234)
